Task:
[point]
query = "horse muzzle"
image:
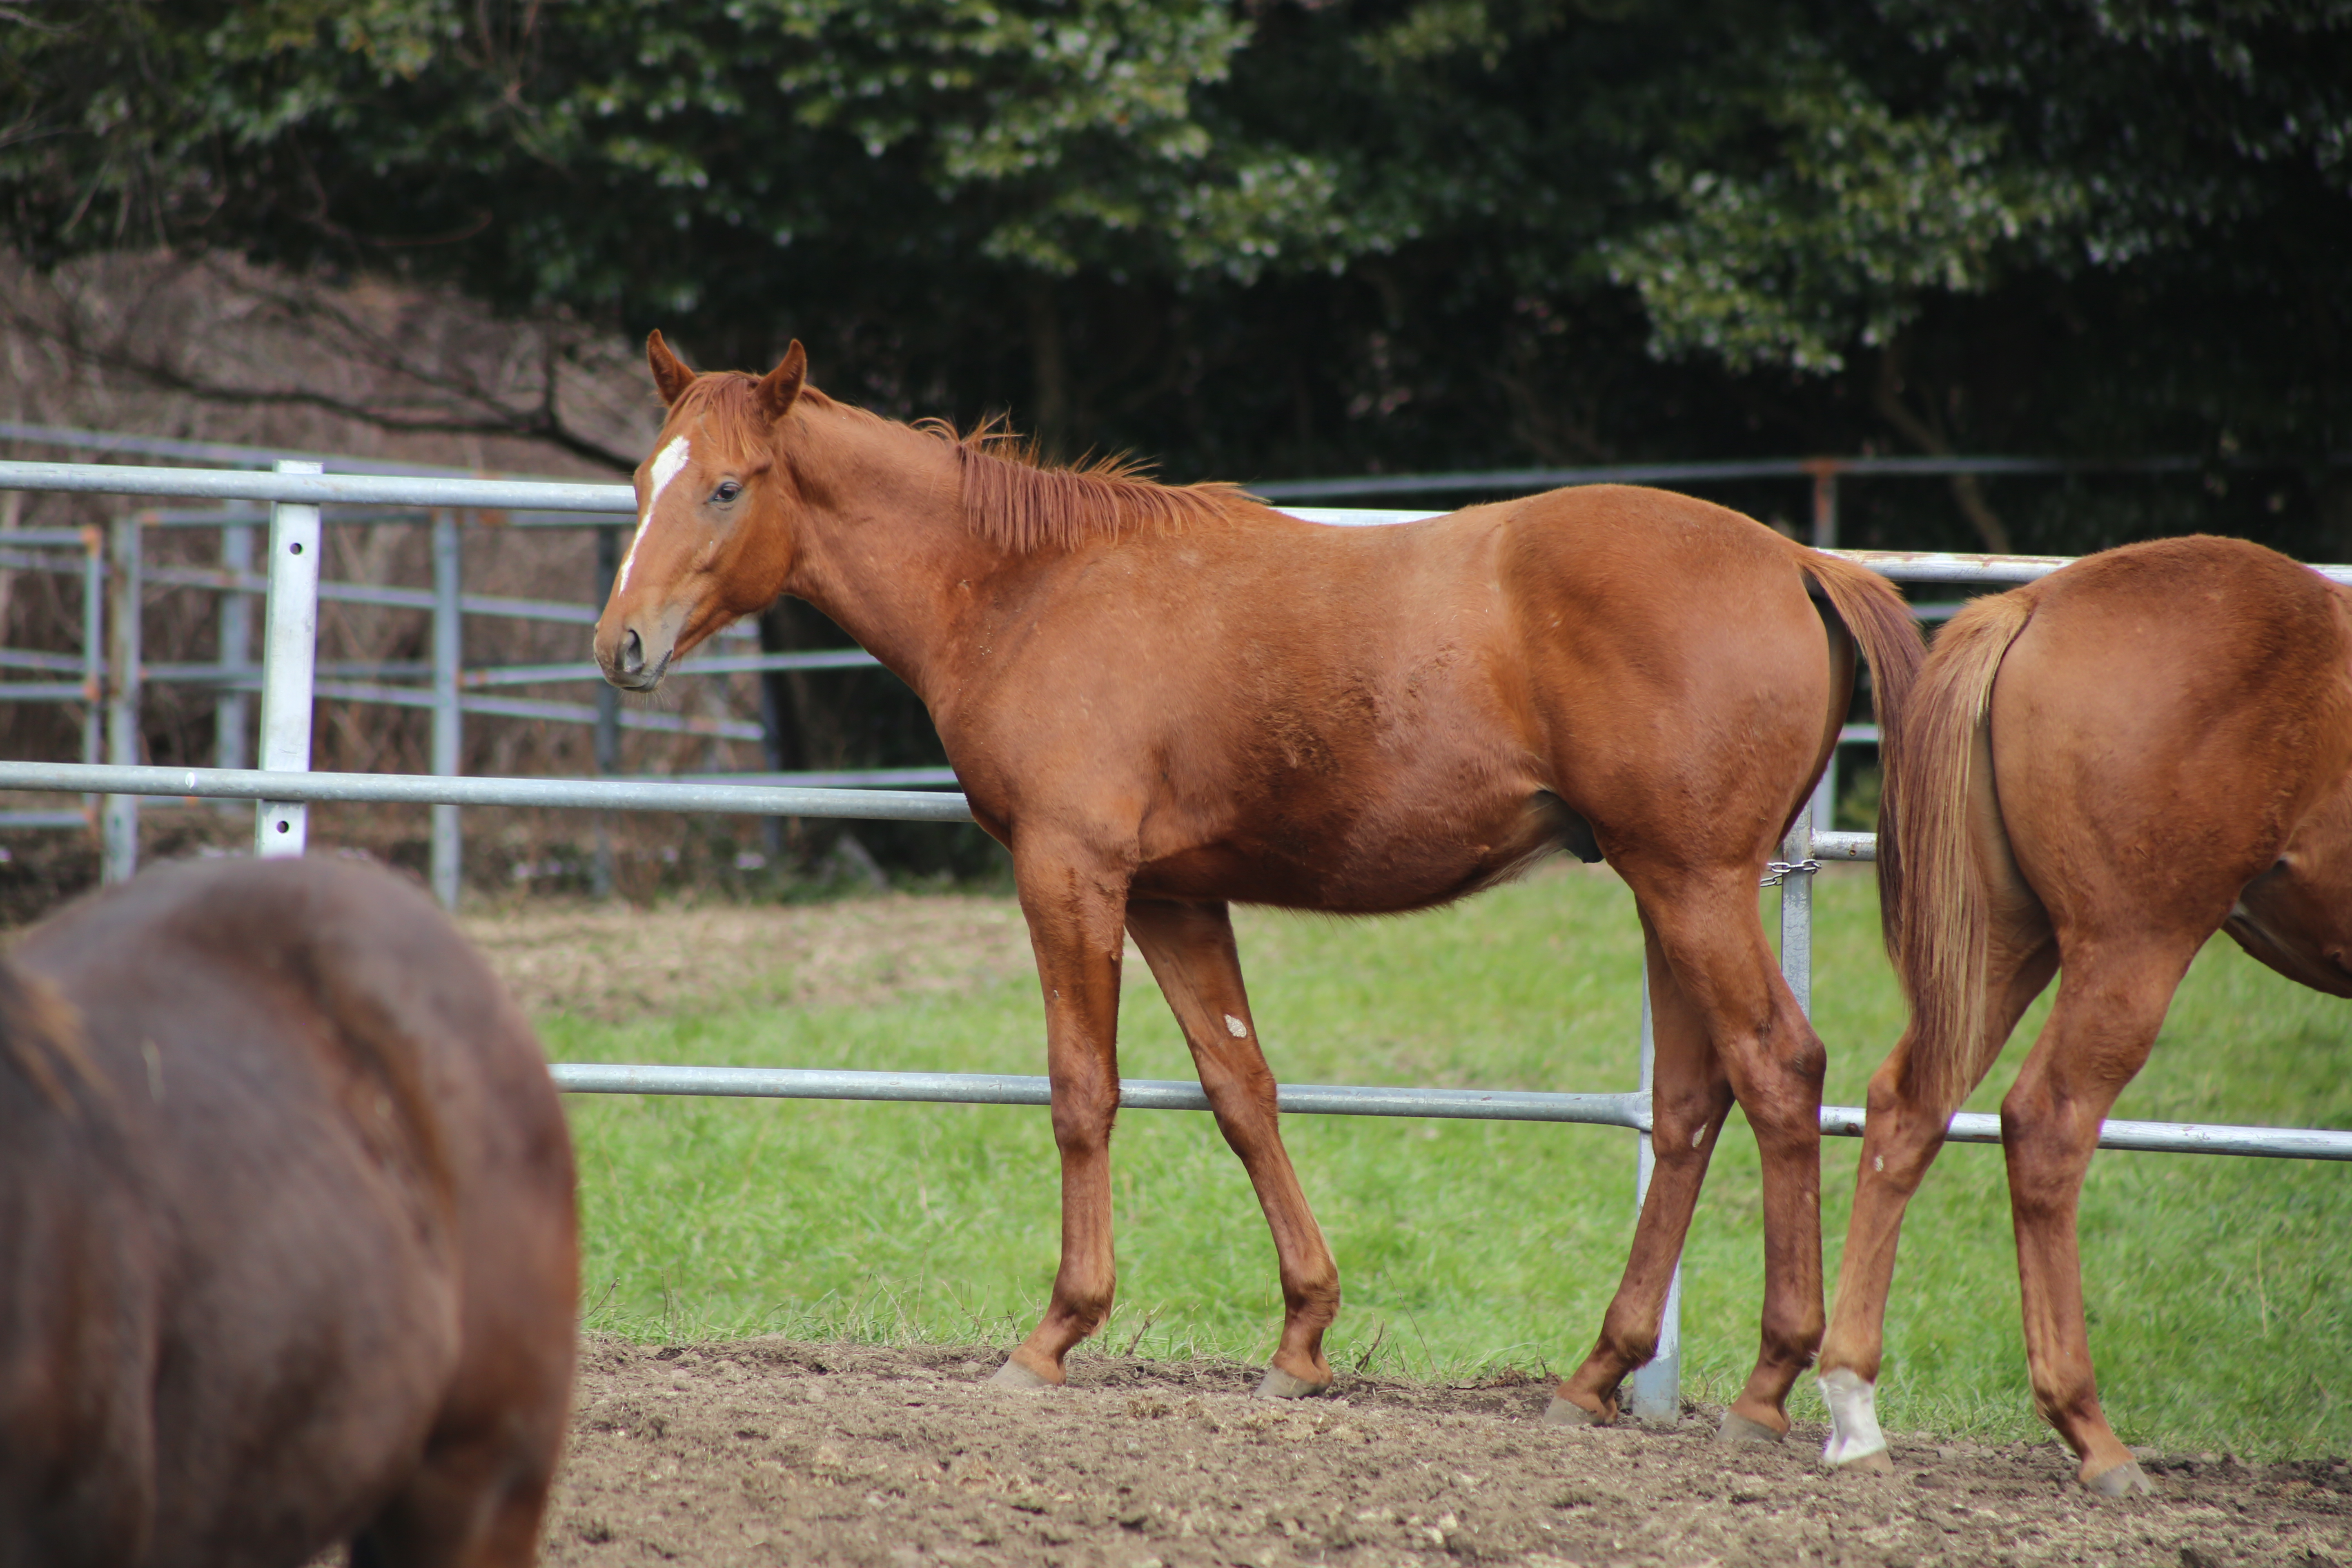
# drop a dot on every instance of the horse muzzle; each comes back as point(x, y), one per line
point(625, 663)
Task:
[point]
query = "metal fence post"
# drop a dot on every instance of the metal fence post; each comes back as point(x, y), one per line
point(118, 837)
point(608, 725)
point(232, 711)
point(93, 657)
point(289, 654)
point(1796, 876)
point(448, 718)
point(1658, 1382)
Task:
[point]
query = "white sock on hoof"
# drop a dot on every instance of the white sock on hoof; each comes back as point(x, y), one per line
point(1854, 1436)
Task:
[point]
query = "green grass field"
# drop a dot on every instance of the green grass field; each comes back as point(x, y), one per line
point(2220, 1288)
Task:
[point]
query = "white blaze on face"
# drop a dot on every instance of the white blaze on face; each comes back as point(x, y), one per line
point(666, 467)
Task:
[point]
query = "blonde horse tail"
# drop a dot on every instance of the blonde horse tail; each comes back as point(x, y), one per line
point(1939, 933)
point(1880, 620)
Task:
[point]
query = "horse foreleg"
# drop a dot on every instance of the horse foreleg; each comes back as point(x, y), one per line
point(1190, 950)
point(1901, 1139)
point(2109, 1008)
point(1689, 1098)
point(1076, 919)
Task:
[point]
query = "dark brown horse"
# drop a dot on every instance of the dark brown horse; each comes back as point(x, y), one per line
point(1165, 700)
point(2101, 770)
point(287, 1247)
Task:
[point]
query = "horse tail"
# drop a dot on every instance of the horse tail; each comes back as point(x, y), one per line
point(1939, 932)
point(1879, 619)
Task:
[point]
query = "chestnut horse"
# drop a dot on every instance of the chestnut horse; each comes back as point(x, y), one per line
point(286, 1244)
point(1165, 700)
point(2100, 771)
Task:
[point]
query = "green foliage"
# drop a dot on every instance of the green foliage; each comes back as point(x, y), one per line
point(1464, 1245)
point(1252, 237)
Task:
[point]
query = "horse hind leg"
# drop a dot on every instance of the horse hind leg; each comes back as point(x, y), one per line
point(1707, 932)
point(1190, 950)
point(1689, 1098)
point(1902, 1138)
point(2110, 1004)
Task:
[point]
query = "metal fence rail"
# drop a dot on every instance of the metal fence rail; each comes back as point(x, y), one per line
point(1628, 1110)
point(284, 786)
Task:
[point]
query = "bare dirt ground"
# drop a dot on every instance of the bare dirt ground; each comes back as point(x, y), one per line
point(774, 1452)
point(769, 1451)
point(615, 963)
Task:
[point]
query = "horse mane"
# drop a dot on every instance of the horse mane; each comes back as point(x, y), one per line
point(1012, 498)
point(1010, 495)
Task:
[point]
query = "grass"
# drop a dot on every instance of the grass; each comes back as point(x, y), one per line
point(2219, 1287)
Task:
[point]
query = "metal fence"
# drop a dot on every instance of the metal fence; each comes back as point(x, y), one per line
point(113, 675)
point(283, 787)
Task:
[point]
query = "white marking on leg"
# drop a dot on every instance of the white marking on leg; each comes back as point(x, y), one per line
point(1879, 1164)
point(1235, 1027)
point(1853, 1417)
point(1699, 1135)
point(666, 467)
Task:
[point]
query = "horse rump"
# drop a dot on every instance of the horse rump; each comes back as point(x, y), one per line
point(287, 1247)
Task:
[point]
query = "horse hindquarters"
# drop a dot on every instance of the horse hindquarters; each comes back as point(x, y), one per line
point(1730, 743)
point(1972, 948)
point(328, 1091)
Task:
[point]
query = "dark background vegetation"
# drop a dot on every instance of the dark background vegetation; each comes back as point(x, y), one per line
point(1252, 239)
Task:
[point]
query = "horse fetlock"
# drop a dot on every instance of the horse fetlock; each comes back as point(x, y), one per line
point(1854, 1436)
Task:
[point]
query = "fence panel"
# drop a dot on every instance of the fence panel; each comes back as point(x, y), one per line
point(283, 786)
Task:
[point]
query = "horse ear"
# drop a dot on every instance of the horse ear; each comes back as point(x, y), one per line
point(781, 387)
point(672, 375)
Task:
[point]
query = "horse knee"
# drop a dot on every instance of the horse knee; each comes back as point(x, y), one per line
point(1082, 1123)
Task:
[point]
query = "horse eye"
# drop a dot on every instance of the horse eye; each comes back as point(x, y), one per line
point(727, 491)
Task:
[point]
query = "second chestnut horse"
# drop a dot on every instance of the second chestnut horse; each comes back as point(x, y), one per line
point(2101, 770)
point(1166, 699)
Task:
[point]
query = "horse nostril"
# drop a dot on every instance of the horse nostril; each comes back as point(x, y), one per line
point(633, 654)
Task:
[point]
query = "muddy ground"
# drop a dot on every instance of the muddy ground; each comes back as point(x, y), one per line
point(769, 1451)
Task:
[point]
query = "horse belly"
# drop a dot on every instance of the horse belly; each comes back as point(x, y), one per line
point(1380, 857)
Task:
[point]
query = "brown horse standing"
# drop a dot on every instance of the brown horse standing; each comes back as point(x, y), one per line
point(2100, 770)
point(1165, 700)
point(287, 1244)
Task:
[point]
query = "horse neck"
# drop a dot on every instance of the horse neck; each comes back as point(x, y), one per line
point(881, 545)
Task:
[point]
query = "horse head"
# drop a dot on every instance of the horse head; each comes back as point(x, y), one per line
point(714, 539)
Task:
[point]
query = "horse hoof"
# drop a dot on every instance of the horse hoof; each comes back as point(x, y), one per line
point(1738, 1429)
point(1279, 1384)
point(1569, 1413)
point(1019, 1379)
point(2127, 1479)
point(1875, 1462)
point(1856, 1441)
